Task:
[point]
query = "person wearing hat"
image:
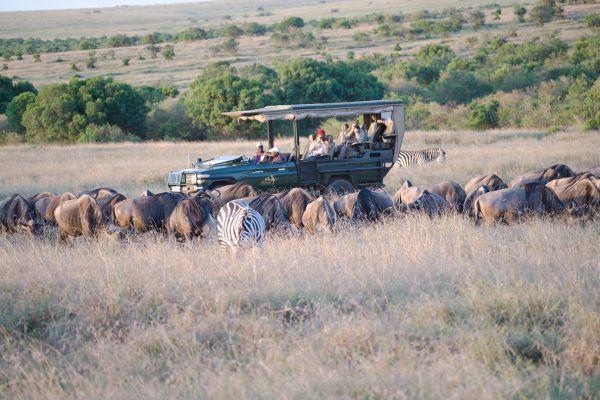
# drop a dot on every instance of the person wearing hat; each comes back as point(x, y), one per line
point(321, 145)
point(259, 152)
point(274, 156)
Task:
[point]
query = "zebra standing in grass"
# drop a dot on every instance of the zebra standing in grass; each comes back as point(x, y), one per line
point(408, 158)
point(239, 224)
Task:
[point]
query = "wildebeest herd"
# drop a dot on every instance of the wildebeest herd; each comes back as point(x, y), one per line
point(242, 216)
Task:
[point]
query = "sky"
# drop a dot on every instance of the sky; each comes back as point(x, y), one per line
point(28, 5)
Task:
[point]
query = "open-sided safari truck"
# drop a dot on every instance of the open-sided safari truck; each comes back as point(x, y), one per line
point(364, 165)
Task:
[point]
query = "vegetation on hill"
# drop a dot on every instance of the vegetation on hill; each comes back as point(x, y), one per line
point(501, 82)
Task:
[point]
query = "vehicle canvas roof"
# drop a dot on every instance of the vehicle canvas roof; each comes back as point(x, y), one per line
point(318, 110)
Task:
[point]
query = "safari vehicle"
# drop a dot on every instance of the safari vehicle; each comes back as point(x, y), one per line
point(365, 165)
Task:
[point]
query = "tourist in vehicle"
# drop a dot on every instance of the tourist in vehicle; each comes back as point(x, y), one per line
point(358, 132)
point(321, 145)
point(273, 155)
point(259, 152)
point(342, 138)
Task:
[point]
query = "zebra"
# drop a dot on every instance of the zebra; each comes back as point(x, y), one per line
point(408, 158)
point(239, 224)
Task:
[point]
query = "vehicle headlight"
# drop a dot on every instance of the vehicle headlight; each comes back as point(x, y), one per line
point(203, 176)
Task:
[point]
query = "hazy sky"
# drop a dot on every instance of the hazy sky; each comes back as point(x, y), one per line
point(25, 5)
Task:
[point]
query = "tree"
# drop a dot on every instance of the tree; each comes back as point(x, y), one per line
point(459, 87)
point(168, 52)
point(476, 19)
point(218, 89)
point(254, 29)
point(544, 11)
point(520, 12)
point(153, 49)
point(230, 45)
point(231, 31)
point(16, 108)
point(91, 61)
point(61, 112)
point(484, 115)
point(497, 14)
point(10, 89)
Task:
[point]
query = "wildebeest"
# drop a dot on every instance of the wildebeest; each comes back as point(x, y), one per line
point(152, 213)
point(543, 175)
point(192, 217)
point(239, 190)
point(364, 205)
point(511, 204)
point(319, 216)
point(146, 193)
point(80, 216)
point(595, 171)
point(40, 202)
point(582, 192)
point(471, 197)
point(418, 199)
point(573, 179)
point(53, 204)
point(492, 181)
point(272, 210)
point(238, 224)
point(107, 205)
point(451, 192)
point(98, 193)
point(295, 201)
point(16, 214)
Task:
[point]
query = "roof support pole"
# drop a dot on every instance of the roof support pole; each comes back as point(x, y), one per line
point(270, 133)
point(296, 140)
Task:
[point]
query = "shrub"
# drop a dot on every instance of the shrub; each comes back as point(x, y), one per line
point(520, 12)
point(168, 52)
point(91, 60)
point(484, 115)
point(592, 21)
point(476, 19)
point(544, 11)
point(290, 22)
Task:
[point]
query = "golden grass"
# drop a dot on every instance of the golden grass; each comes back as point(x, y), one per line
point(409, 308)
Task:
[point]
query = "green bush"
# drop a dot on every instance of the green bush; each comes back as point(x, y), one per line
point(168, 52)
point(62, 111)
point(16, 108)
point(10, 88)
point(459, 87)
point(592, 21)
point(484, 115)
point(169, 121)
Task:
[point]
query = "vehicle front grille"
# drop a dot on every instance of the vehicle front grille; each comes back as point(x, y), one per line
point(174, 178)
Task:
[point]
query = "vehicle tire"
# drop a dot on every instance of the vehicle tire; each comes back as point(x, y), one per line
point(341, 186)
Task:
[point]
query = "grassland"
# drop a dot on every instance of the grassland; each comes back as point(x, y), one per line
point(191, 57)
point(410, 308)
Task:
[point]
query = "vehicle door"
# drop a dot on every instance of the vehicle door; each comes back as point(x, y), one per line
point(273, 176)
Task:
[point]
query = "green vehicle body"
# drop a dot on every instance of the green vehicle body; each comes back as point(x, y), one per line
point(367, 169)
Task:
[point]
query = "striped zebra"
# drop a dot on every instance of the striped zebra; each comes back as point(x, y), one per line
point(239, 224)
point(408, 158)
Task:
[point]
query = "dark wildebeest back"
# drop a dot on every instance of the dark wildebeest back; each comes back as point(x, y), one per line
point(192, 217)
point(56, 201)
point(451, 192)
point(295, 201)
point(146, 193)
point(319, 216)
point(492, 181)
point(152, 213)
point(583, 193)
point(80, 216)
point(519, 201)
point(40, 202)
point(272, 210)
point(239, 190)
point(364, 205)
point(107, 205)
point(17, 213)
point(572, 180)
point(543, 175)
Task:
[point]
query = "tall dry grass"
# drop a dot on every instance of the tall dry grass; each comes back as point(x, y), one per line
point(409, 308)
